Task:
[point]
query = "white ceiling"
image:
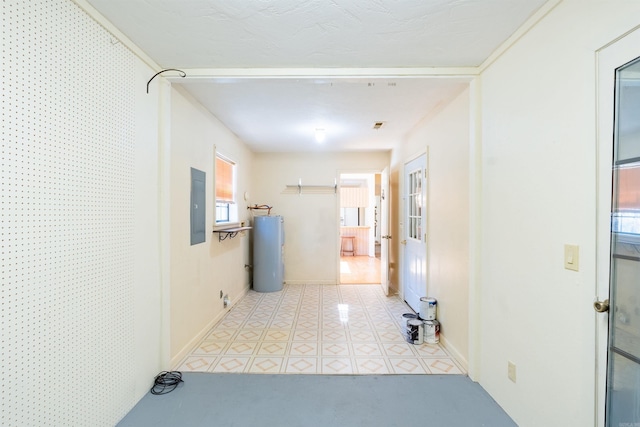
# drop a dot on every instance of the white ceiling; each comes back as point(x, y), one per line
point(281, 114)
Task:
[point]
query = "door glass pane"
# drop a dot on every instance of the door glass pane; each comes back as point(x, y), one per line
point(624, 392)
point(415, 205)
point(623, 379)
point(627, 112)
point(625, 294)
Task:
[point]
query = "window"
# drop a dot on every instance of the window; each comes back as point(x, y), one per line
point(226, 209)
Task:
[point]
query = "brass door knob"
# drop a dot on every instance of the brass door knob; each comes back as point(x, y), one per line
point(601, 306)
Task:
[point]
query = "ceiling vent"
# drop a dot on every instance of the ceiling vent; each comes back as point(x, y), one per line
point(378, 125)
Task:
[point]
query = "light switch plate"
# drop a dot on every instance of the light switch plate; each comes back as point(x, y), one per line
point(511, 371)
point(571, 257)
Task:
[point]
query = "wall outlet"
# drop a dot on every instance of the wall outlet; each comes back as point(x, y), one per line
point(226, 301)
point(511, 371)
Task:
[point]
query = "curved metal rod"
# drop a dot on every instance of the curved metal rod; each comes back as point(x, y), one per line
point(256, 207)
point(182, 74)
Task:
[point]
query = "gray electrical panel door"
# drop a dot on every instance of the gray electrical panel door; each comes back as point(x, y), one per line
point(198, 213)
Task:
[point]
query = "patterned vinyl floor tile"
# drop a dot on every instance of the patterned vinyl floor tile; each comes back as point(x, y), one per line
point(317, 329)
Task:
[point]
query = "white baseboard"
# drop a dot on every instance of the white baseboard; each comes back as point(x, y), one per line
point(311, 282)
point(454, 352)
point(175, 360)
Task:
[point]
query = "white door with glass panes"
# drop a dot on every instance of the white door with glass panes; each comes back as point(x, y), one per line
point(618, 247)
point(415, 221)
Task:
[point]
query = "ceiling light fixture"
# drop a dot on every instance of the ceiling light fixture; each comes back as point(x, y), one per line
point(320, 135)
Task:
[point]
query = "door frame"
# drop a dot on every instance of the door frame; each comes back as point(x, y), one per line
point(608, 58)
point(384, 264)
point(385, 227)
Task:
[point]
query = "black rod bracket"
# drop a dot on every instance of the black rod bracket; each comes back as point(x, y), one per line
point(182, 74)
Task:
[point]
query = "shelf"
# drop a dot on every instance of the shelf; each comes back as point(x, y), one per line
point(311, 189)
point(230, 233)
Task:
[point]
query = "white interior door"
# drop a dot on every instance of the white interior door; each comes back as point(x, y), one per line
point(384, 231)
point(618, 234)
point(415, 231)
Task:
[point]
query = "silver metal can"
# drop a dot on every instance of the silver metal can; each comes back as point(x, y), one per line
point(431, 331)
point(428, 308)
point(415, 331)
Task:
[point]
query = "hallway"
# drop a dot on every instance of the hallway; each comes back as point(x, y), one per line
point(317, 329)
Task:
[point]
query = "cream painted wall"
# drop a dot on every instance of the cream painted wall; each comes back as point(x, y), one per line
point(200, 272)
point(311, 220)
point(538, 193)
point(446, 136)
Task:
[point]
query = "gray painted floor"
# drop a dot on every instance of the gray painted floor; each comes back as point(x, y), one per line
point(239, 400)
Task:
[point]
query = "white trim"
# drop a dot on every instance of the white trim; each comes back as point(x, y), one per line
point(475, 228)
point(226, 158)
point(436, 72)
point(178, 358)
point(119, 35)
point(164, 201)
point(619, 38)
point(459, 358)
point(533, 20)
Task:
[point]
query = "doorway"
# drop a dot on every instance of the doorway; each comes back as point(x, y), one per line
point(360, 231)
point(618, 320)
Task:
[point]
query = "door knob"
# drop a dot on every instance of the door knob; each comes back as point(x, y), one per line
point(601, 306)
point(404, 242)
point(386, 237)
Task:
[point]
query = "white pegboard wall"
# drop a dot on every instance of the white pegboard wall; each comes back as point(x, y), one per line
point(66, 255)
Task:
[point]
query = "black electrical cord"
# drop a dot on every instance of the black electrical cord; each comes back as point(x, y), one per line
point(165, 382)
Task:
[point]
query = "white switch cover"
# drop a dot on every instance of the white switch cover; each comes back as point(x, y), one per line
point(571, 257)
